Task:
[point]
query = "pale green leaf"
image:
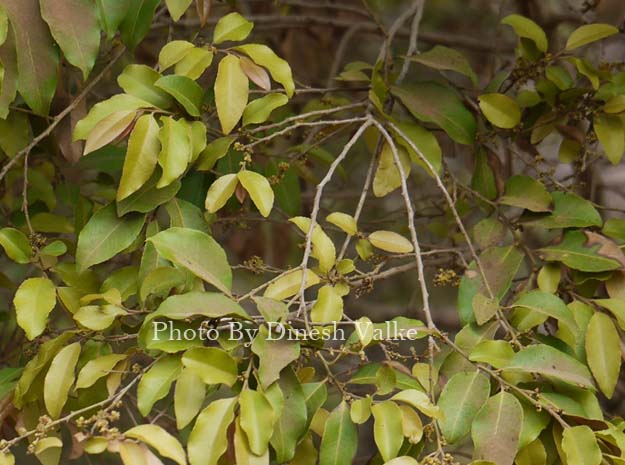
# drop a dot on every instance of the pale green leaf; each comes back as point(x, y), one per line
point(501, 110)
point(580, 446)
point(289, 284)
point(525, 27)
point(232, 27)
point(16, 245)
point(97, 368)
point(172, 52)
point(186, 91)
point(603, 352)
point(196, 251)
point(211, 364)
point(189, 395)
point(259, 110)
point(220, 192)
point(340, 438)
point(194, 63)
point(257, 418)
point(345, 222)
point(34, 300)
point(208, 440)
point(387, 429)
point(329, 306)
point(177, 8)
point(59, 379)
point(278, 68)
point(390, 241)
point(156, 382)
point(589, 33)
point(176, 150)
point(139, 81)
point(156, 437)
point(611, 135)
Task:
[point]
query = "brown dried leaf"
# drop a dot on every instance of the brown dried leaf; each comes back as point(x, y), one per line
point(607, 247)
point(255, 73)
point(203, 8)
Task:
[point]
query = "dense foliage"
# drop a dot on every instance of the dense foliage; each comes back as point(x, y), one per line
point(213, 262)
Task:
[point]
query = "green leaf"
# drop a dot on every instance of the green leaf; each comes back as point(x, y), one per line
point(156, 382)
point(176, 150)
point(183, 214)
point(259, 110)
point(548, 278)
point(242, 451)
point(603, 352)
point(360, 410)
point(74, 26)
point(547, 361)
point(496, 353)
point(433, 103)
point(211, 364)
point(615, 228)
point(177, 8)
point(259, 189)
point(148, 197)
point(580, 446)
point(461, 399)
point(186, 91)
point(137, 21)
point(208, 440)
point(615, 104)
point(446, 59)
point(111, 13)
point(34, 300)
point(611, 135)
point(140, 81)
point(274, 355)
point(59, 379)
point(257, 419)
point(172, 52)
point(155, 436)
point(232, 27)
point(8, 73)
point(418, 400)
point(231, 92)
point(404, 460)
point(328, 307)
point(387, 176)
point(584, 252)
point(340, 438)
point(98, 317)
point(105, 235)
point(194, 63)
point(501, 110)
point(537, 307)
point(497, 428)
point(16, 245)
point(525, 27)
point(278, 68)
point(570, 211)
point(210, 305)
point(289, 284)
point(214, 151)
point(424, 141)
point(387, 429)
point(120, 102)
point(96, 369)
point(37, 56)
point(189, 396)
point(500, 265)
point(589, 33)
point(108, 129)
point(196, 251)
point(526, 192)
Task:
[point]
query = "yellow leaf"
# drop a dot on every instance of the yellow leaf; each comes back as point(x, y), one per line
point(346, 222)
point(328, 307)
point(289, 284)
point(220, 191)
point(155, 436)
point(390, 241)
point(231, 92)
point(259, 189)
point(60, 378)
point(322, 246)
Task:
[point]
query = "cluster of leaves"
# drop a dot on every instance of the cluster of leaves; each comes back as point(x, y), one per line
point(136, 245)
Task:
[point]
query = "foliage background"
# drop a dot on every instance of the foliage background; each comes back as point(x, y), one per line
point(547, 241)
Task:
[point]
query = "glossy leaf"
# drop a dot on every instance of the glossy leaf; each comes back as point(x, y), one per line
point(501, 110)
point(156, 437)
point(278, 68)
point(256, 420)
point(137, 21)
point(186, 91)
point(177, 8)
point(526, 192)
point(589, 33)
point(194, 63)
point(387, 429)
point(212, 365)
point(525, 27)
point(176, 150)
point(584, 252)
point(580, 446)
point(189, 395)
point(156, 382)
point(139, 81)
point(208, 439)
point(259, 110)
point(390, 241)
point(108, 129)
point(16, 245)
point(446, 59)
